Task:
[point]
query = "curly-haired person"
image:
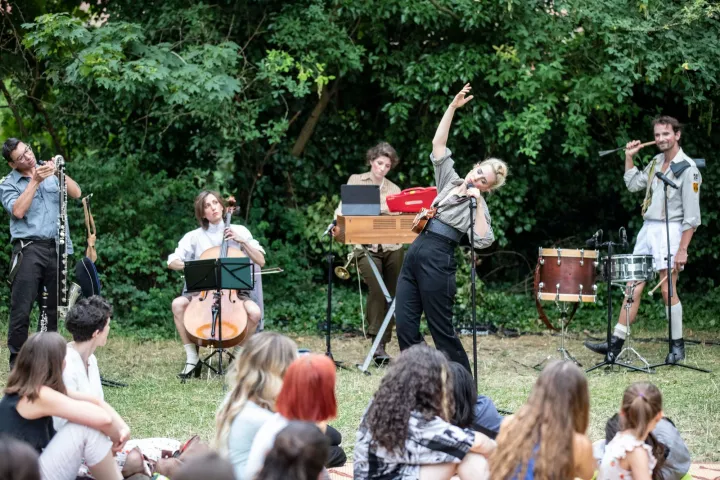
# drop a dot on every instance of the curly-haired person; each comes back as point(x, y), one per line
point(406, 431)
point(546, 438)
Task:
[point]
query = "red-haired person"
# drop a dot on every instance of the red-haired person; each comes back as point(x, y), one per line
point(307, 394)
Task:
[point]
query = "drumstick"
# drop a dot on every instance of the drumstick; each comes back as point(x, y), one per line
point(659, 283)
point(608, 152)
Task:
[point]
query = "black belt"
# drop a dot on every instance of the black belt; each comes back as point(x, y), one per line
point(443, 229)
point(41, 241)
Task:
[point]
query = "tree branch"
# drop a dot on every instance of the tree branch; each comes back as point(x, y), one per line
point(50, 127)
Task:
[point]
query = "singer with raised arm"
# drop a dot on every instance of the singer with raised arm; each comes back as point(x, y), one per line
point(674, 166)
point(427, 279)
point(210, 210)
point(31, 196)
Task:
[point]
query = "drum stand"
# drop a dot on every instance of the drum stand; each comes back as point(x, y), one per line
point(610, 359)
point(565, 355)
point(626, 354)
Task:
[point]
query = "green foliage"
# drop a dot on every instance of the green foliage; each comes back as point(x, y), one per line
point(151, 108)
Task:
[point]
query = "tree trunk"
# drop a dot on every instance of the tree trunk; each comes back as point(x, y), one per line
point(15, 111)
point(314, 118)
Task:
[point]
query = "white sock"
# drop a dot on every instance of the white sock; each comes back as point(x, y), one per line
point(677, 332)
point(192, 356)
point(620, 331)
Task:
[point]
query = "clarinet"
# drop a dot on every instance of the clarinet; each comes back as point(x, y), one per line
point(62, 266)
point(43, 311)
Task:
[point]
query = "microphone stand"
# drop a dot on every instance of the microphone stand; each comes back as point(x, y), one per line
point(670, 359)
point(328, 316)
point(610, 358)
point(473, 208)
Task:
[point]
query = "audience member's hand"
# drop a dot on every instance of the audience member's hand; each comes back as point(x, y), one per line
point(123, 437)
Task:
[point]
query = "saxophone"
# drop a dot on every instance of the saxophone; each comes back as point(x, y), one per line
point(65, 300)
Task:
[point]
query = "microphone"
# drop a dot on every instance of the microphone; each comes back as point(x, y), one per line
point(594, 240)
point(330, 227)
point(473, 200)
point(666, 180)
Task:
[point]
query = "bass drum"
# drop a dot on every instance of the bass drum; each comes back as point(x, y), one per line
point(566, 275)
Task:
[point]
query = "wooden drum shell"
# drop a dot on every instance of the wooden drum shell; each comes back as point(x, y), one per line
point(568, 269)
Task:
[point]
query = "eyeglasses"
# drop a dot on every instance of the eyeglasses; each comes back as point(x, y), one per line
point(23, 157)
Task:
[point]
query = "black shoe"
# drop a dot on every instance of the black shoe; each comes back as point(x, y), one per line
point(678, 351)
point(616, 344)
point(196, 370)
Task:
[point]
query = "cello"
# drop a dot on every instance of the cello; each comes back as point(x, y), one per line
point(233, 316)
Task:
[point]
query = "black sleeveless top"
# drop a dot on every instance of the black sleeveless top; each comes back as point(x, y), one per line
point(37, 433)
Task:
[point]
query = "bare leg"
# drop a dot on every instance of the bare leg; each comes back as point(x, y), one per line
point(622, 320)
point(107, 469)
point(253, 318)
point(664, 287)
point(179, 305)
point(441, 471)
point(474, 467)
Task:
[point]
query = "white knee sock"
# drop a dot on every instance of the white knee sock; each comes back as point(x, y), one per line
point(192, 356)
point(677, 332)
point(620, 331)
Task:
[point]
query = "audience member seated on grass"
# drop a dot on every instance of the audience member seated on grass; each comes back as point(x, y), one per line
point(406, 431)
point(546, 437)
point(206, 466)
point(473, 411)
point(88, 321)
point(627, 456)
point(18, 460)
point(307, 394)
point(299, 453)
point(255, 380)
point(35, 393)
point(665, 442)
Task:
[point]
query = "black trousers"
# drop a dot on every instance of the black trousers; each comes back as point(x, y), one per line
point(427, 284)
point(336, 455)
point(38, 269)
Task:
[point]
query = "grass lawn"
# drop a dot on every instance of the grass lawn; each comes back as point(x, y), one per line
point(155, 404)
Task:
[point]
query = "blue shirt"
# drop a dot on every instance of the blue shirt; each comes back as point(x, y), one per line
point(41, 219)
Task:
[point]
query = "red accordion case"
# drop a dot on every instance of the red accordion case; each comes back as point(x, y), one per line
point(412, 200)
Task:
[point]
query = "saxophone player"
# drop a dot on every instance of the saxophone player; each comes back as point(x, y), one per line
point(30, 195)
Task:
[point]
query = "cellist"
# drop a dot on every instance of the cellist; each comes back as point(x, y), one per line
point(210, 209)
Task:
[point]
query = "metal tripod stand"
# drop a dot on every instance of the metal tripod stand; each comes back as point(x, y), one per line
point(628, 354)
point(565, 355)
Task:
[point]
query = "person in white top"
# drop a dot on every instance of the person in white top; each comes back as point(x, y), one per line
point(627, 456)
point(210, 212)
point(683, 217)
point(89, 324)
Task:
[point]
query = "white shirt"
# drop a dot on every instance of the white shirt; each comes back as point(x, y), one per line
point(76, 377)
point(195, 242)
point(263, 443)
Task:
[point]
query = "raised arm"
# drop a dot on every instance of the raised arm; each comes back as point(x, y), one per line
point(441, 134)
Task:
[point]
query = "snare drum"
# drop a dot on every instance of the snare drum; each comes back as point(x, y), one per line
point(567, 275)
point(631, 268)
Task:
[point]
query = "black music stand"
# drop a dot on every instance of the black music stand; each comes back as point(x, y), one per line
point(232, 273)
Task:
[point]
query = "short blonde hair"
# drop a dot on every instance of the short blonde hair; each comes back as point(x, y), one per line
point(499, 168)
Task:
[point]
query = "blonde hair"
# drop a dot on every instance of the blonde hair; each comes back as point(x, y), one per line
point(499, 168)
point(256, 375)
